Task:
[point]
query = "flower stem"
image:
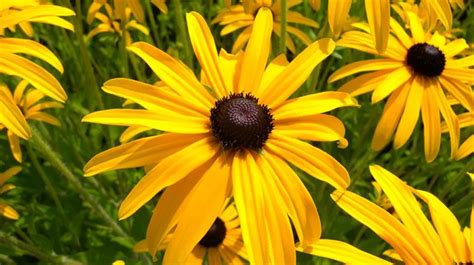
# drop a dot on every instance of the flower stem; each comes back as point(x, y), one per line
point(54, 159)
point(283, 22)
point(182, 34)
point(32, 250)
point(462, 173)
point(154, 25)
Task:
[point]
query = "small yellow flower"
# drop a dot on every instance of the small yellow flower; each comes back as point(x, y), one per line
point(242, 16)
point(415, 240)
point(222, 241)
point(414, 74)
point(110, 22)
point(32, 104)
point(5, 209)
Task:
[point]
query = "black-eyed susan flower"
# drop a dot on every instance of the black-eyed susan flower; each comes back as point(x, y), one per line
point(234, 132)
point(414, 74)
point(112, 23)
point(414, 239)
point(242, 16)
point(5, 209)
point(222, 243)
point(13, 64)
point(32, 104)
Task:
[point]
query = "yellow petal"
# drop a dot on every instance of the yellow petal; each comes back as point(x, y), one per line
point(38, 77)
point(230, 65)
point(305, 218)
point(33, 12)
point(390, 117)
point(138, 153)
point(319, 127)
point(11, 116)
point(204, 204)
point(152, 97)
point(313, 104)
point(174, 74)
point(296, 73)
point(6, 175)
point(411, 113)
point(55, 21)
point(14, 143)
point(459, 90)
point(416, 28)
point(465, 149)
point(137, 10)
point(131, 132)
point(382, 223)
point(342, 252)
point(170, 170)
point(410, 213)
point(448, 115)
point(455, 47)
point(447, 226)
point(401, 34)
point(257, 51)
point(206, 53)
point(310, 159)
point(273, 69)
point(431, 125)
point(392, 81)
point(161, 5)
point(338, 12)
point(364, 66)
point(466, 75)
point(163, 120)
point(443, 12)
point(364, 83)
point(297, 18)
point(378, 15)
point(8, 212)
point(467, 61)
point(168, 211)
point(14, 45)
point(44, 117)
point(242, 38)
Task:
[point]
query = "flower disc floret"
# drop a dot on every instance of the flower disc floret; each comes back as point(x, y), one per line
point(238, 121)
point(426, 60)
point(215, 235)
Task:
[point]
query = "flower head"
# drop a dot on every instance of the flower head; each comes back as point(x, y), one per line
point(222, 241)
point(234, 132)
point(414, 74)
point(243, 16)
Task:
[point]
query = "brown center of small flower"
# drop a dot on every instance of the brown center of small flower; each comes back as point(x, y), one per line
point(215, 235)
point(426, 60)
point(238, 121)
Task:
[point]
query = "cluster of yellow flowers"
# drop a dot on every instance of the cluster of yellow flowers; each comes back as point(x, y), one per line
point(231, 138)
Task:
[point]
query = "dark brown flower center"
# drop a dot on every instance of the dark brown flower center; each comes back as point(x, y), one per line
point(238, 121)
point(426, 60)
point(215, 235)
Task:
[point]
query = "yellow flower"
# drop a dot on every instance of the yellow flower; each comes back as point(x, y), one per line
point(243, 16)
point(32, 104)
point(112, 23)
point(221, 242)
point(120, 10)
point(5, 209)
point(414, 73)
point(415, 240)
point(235, 132)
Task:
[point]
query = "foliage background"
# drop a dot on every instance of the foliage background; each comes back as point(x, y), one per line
point(57, 221)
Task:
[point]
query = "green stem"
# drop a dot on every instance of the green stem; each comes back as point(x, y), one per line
point(462, 173)
point(50, 188)
point(182, 34)
point(283, 22)
point(54, 159)
point(123, 49)
point(154, 25)
point(32, 250)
